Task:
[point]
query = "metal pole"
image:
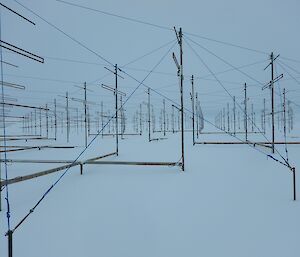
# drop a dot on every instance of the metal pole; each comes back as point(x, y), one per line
point(55, 119)
point(77, 117)
point(116, 102)
point(141, 119)
point(284, 114)
point(272, 93)
point(164, 115)
point(10, 243)
point(181, 98)
point(264, 116)
point(193, 110)
point(294, 183)
point(35, 122)
point(47, 121)
point(85, 114)
point(246, 116)
point(40, 122)
point(234, 118)
point(149, 118)
point(252, 116)
point(197, 116)
point(102, 118)
point(173, 119)
point(67, 111)
point(228, 121)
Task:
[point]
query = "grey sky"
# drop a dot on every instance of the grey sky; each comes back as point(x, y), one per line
point(264, 25)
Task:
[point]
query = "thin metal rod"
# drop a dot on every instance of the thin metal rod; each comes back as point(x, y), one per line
point(10, 242)
point(116, 109)
point(85, 116)
point(193, 109)
point(134, 163)
point(17, 14)
point(246, 115)
point(38, 174)
point(294, 183)
point(149, 117)
point(272, 101)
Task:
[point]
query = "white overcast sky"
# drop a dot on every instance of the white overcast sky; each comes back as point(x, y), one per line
point(264, 25)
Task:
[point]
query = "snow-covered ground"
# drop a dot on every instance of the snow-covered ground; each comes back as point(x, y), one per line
point(231, 201)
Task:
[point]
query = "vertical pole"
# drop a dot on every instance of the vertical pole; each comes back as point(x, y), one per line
point(116, 102)
point(40, 122)
point(264, 116)
point(10, 243)
point(181, 98)
point(122, 118)
point(149, 116)
point(234, 118)
point(294, 183)
point(47, 121)
point(246, 116)
point(141, 119)
point(197, 116)
point(193, 110)
point(239, 120)
point(35, 123)
point(88, 120)
point(67, 111)
point(81, 168)
point(228, 122)
point(272, 95)
point(252, 117)
point(55, 120)
point(173, 119)
point(77, 117)
point(85, 116)
point(284, 114)
point(31, 122)
point(164, 115)
point(102, 118)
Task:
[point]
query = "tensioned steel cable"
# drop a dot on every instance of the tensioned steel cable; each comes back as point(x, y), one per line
point(249, 143)
point(236, 68)
point(64, 33)
point(158, 26)
point(90, 143)
point(202, 61)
